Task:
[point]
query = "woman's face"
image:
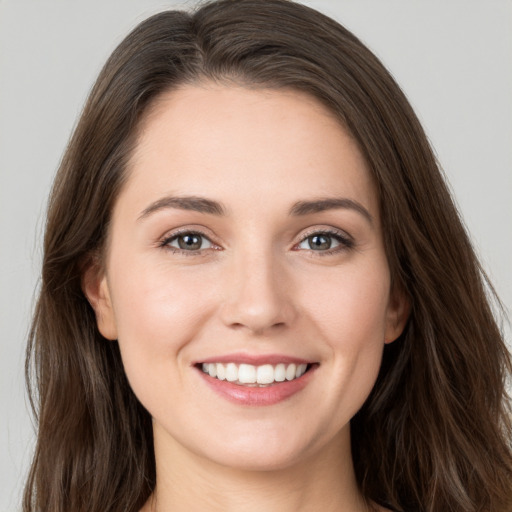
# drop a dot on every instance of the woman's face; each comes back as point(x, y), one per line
point(246, 244)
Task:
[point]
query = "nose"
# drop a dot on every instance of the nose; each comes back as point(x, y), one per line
point(258, 295)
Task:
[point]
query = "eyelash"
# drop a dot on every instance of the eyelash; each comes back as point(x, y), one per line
point(168, 239)
point(345, 242)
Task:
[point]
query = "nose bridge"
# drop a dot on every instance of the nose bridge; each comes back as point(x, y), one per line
point(257, 295)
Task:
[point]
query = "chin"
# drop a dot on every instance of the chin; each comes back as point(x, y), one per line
point(256, 459)
point(269, 451)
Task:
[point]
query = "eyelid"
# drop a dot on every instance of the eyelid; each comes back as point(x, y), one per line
point(197, 229)
point(345, 239)
point(164, 240)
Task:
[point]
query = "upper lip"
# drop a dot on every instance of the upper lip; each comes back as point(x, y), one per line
point(254, 359)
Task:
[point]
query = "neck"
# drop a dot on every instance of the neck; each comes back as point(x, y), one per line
point(186, 481)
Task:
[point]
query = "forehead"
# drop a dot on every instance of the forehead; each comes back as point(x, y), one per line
point(234, 143)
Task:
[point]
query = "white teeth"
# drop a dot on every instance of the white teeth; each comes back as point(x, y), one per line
point(231, 372)
point(265, 374)
point(280, 373)
point(301, 368)
point(221, 371)
point(249, 374)
point(290, 372)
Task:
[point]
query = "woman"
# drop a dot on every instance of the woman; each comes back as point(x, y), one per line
point(257, 293)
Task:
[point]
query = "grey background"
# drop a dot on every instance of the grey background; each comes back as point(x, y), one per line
point(453, 58)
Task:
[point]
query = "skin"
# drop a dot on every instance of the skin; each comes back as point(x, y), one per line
point(256, 286)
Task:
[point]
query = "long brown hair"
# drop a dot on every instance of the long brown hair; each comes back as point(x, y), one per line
point(435, 433)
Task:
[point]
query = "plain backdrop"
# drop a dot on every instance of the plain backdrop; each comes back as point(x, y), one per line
point(453, 58)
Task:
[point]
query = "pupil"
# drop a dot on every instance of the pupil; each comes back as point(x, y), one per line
point(189, 242)
point(317, 242)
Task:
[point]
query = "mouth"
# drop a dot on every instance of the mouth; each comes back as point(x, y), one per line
point(249, 375)
point(250, 380)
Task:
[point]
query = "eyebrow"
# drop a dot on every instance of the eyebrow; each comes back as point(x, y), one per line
point(209, 206)
point(330, 203)
point(197, 204)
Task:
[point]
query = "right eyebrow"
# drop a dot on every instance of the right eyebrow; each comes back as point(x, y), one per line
point(198, 204)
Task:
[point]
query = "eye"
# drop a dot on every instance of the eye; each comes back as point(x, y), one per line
point(188, 241)
point(325, 242)
point(319, 242)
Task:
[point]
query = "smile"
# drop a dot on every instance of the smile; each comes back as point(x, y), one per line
point(254, 376)
point(256, 380)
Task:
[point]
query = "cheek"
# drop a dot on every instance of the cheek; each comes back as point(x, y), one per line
point(351, 307)
point(349, 312)
point(157, 311)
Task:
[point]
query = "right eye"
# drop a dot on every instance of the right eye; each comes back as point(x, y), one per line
point(188, 242)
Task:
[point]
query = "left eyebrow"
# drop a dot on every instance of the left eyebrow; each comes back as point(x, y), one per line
point(329, 203)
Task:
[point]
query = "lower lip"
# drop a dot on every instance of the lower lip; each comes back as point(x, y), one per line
point(269, 395)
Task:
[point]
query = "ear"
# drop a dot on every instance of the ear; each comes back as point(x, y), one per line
point(397, 314)
point(96, 289)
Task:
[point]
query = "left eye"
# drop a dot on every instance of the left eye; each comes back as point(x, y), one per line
point(189, 242)
point(321, 242)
